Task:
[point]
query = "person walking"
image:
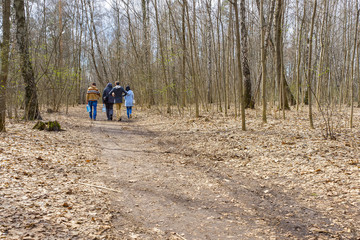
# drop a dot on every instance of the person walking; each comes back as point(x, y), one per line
point(118, 92)
point(129, 101)
point(108, 100)
point(92, 97)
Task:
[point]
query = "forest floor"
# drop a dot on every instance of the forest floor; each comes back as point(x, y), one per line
point(172, 177)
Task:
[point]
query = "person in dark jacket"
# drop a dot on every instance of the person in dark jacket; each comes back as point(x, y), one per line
point(118, 92)
point(108, 100)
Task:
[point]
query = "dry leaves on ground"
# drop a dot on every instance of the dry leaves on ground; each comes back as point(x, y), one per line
point(283, 154)
point(41, 190)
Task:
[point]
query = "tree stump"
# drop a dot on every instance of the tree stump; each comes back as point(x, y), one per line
point(48, 126)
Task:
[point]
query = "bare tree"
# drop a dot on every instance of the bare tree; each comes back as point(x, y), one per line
point(162, 56)
point(352, 66)
point(299, 58)
point(238, 54)
point(249, 100)
point(263, 59)
point(31, 100)
point(309, 67)
point(4, 61)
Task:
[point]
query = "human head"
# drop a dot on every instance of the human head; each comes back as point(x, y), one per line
point(127, 88)
point(93, 84)
point(117, 83)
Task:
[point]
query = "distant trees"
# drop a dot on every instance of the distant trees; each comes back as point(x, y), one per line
point(185, 54)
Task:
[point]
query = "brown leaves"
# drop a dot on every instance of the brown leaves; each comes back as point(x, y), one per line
point(39, 194)
point(284, 153)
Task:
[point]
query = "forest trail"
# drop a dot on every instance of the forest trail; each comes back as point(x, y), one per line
point(176, 177)
point(169, 193)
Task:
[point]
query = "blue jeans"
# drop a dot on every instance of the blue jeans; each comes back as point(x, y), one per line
point(128, 111)
point(93, 105)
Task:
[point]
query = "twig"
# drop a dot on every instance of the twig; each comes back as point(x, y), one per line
point(91, 185)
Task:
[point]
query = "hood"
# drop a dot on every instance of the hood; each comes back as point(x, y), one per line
point(109, 85)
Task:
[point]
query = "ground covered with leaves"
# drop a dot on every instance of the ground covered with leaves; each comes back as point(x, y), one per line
point(163, 176)
point(42, 191)
point(302, 183)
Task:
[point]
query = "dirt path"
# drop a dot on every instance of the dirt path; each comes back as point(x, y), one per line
point(169, 194)
point(174, 177)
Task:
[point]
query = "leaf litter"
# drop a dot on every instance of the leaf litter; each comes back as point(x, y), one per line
point(41, 194)
point(302, 184)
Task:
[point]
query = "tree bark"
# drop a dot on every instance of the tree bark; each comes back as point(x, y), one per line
point(4, 62)
point(31, 100)
point(263, 61)
point(352, 67)
point(310, 91)
point(192, 67)
point(96, 38)
point(249, 100)
point(209, 54)
point(238, 54)
point(283, 103)
point(163, 66)
point(184, 51)
point(92, 49)
point(299, 60)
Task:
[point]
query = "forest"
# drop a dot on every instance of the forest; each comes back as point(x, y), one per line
point(208, 55)
point(246, 119)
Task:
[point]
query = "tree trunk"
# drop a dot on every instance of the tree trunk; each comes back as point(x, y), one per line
point(4, 61)
point(310, 91)
point(31, 100)
point(249, 100)
point(352, 67)
point(163, 66)
point(147, 52)
point(299, 60)
point(283, 103)
point(96, 38)
point(92, 49)
point(263, 61)
point(192, 67)
point(209, 54)
point(238, 54)
point(358, 72)
point(183, 62)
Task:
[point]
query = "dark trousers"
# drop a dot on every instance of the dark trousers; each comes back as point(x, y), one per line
point(109, 110)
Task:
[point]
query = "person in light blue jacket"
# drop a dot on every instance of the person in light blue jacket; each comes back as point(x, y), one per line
point(129, 101)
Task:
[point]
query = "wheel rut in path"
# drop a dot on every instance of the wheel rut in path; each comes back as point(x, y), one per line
point(162, 198)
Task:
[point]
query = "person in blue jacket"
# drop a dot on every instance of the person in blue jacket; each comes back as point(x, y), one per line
point(129, 101)
point(108, 100)
point(118, 92)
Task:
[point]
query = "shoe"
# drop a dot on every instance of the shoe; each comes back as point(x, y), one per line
point(119, 120)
